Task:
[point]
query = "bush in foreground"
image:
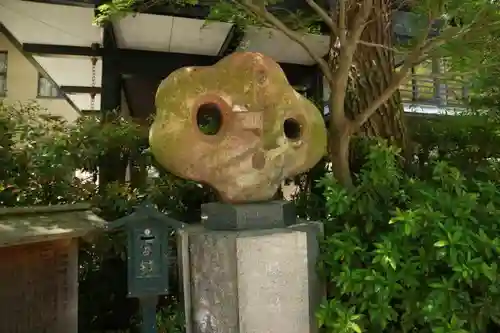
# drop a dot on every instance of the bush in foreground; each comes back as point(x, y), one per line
point(411, 255)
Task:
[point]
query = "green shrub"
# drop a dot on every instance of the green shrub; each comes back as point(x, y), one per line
point(411, 255)
point(40, 156)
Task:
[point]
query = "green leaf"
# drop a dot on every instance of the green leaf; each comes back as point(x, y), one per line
point(441, 243)
point(355, 327)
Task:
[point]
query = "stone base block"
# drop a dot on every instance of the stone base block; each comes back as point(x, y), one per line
point(253, 281)
point(269, 215)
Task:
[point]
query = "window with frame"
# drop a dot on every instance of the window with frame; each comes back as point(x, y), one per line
point(46, 89)
point(3, 73)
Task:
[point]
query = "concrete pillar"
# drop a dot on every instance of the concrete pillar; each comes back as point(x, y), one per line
point(251, 280)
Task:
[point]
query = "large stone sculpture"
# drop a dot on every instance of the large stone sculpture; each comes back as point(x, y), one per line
point(261, 131)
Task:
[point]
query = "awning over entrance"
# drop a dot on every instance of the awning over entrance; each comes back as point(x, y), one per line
point(38, 26)
point(61, 39)
point(171, 34)
point(275, 44)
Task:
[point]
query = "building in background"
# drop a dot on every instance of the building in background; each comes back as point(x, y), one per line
point(20, 81)
point(57, 39)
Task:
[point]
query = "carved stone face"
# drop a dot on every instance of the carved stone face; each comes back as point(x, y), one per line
point(261, 130)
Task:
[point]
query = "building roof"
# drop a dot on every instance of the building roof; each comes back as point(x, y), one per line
point(60, 37)
point(24, 225)
point(35, 23)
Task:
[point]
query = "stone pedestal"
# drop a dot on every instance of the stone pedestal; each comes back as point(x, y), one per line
point(251, 281)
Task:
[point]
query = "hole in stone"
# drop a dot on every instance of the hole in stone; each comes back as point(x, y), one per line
point(209, 118)
point(292, 129)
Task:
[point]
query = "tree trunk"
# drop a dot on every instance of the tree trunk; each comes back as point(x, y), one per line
point(372, 73)
point(339, 156)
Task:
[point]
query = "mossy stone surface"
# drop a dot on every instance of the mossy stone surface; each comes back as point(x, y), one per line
point(250, 155)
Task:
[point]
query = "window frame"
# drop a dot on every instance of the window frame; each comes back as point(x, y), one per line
point(38, 95)
point(3, 93)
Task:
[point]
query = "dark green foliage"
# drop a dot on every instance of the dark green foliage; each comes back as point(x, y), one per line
point(469, 142)
point(404, 251)
point(39, 157)
point(406, 254)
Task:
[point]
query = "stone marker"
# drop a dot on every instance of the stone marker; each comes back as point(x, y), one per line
point(241, 128)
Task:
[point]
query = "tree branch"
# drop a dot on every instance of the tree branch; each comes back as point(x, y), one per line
point(348, 44)
point(263, 14)
point(324, 16)
point(398, 78)
point(342, 22)
point(361, 42)
point(359, 22)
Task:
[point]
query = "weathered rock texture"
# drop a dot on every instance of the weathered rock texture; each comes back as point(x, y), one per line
point(251, 154)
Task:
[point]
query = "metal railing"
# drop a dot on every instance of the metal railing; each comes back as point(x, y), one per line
point(427, 90)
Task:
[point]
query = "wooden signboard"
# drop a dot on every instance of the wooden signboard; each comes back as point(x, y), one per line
point(38, 287)
point(39, 267)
